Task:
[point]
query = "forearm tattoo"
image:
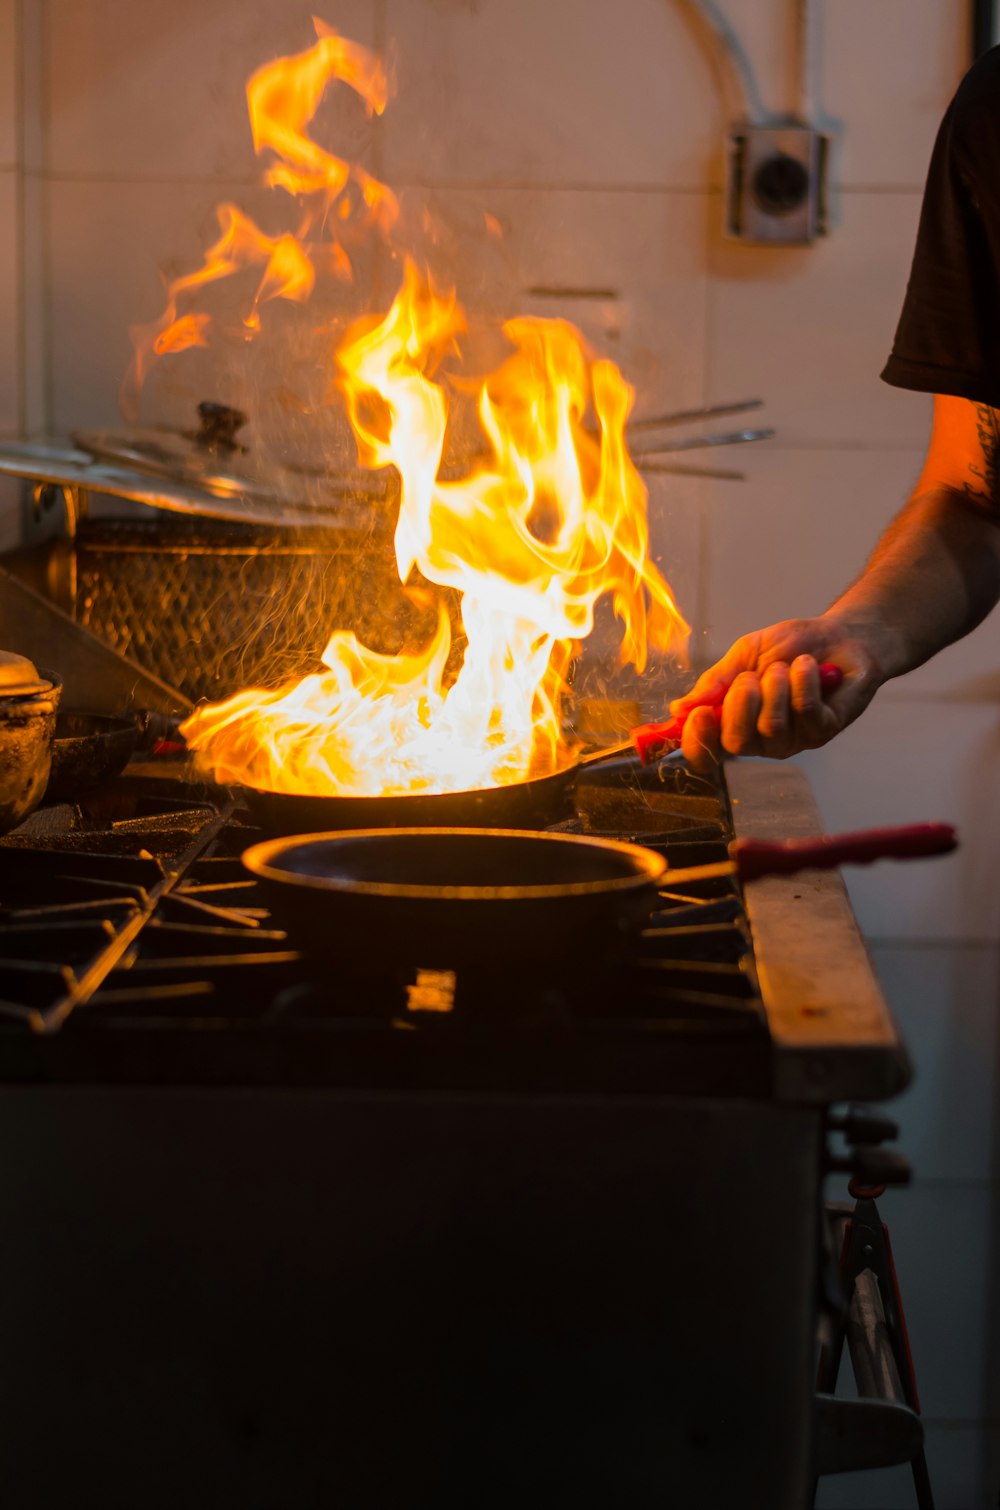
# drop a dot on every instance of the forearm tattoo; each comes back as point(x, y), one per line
point(983, 483)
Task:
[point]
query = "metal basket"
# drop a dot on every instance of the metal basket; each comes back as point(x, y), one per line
point(211, 607)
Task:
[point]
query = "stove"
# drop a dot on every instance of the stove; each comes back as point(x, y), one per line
point(284, 1236)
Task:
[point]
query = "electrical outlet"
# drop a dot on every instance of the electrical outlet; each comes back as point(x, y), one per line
point(776, 186)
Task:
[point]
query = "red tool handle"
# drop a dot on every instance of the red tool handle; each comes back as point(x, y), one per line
point(759, 857)
point(651, 740)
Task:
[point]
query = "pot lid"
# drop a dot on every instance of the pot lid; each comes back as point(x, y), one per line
point(19, 677)
point(205, 472)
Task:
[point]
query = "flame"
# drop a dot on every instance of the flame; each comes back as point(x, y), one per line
point(282, 98)
point(550, 518)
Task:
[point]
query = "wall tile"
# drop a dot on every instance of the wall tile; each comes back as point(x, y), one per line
point(569, 92)
point(947, 1003)
point(34, 303)
point(10, 513)
point(626, 268)
point(905, 763)
point(955, 1462)
point(944, 1245)
point(156, 90)
point(969, 669)
point(858, 40)
point(764, 41)
point(810, 328)
point(31, 19)
point(108, 242)
point(790, 537)
point(9, 86)
point(675, 511)
point(10, 338)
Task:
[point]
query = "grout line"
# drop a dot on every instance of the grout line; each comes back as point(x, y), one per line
point(45, 315)
point(540, 186)
point(706, 514)
point(21, 337)
point(936, 1183)
point(478, 184)
point(380, 29)
point(467, 184)
point(901, 942)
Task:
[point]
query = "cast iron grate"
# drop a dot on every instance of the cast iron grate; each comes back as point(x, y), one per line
point(131, 939)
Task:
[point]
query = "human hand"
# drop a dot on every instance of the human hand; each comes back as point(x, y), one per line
point(773, 702)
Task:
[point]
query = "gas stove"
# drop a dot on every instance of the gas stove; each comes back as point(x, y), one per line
point(278, 1235)
point(132, 938)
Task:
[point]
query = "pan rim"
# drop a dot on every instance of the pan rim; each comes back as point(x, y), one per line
point(457, 794)
point(650, 867)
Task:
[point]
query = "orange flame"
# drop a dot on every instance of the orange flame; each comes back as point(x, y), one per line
point(552, 517)
point(549, 515)
point(282, 98)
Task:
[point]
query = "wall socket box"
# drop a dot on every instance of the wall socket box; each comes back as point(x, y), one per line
point(776, 185)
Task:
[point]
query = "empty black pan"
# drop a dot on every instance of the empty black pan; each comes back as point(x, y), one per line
point(450, 898)
point(88, 749)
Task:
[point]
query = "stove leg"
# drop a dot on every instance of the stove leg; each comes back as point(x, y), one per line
point(883, 1426)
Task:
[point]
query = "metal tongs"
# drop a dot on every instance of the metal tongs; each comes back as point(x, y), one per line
point(647, 452)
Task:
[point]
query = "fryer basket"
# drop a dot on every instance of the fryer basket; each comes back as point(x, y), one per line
point(212, 607)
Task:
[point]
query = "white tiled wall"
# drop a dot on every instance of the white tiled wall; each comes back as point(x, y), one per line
point(594, 134)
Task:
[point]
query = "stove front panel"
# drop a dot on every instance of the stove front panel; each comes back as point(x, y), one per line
point(250, 1299)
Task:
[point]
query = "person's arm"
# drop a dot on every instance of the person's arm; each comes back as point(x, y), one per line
point(934, 575)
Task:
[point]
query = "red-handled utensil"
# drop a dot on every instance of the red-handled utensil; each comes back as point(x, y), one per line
point(651, 740)
point(750, 859)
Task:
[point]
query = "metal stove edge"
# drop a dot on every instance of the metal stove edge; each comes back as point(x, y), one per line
point(832, 1034)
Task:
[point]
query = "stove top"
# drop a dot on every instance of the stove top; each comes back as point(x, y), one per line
point(135, 948)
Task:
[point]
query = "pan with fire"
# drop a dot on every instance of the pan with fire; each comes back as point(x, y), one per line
point(517, 498)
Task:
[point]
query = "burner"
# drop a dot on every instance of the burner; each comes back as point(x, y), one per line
point(130, 915)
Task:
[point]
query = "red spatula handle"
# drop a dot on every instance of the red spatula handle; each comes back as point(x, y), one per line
point(758, 857)
point(651, 740)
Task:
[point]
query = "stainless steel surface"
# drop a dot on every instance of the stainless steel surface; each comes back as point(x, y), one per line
point(94, 675)
point(636, 426)
point(69, 467)
point(698, 443)
point(270, 491)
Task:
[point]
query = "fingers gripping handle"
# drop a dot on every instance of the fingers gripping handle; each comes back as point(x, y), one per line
point(754, 858)
point(651, 740)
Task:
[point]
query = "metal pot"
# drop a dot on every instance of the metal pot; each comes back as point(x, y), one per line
point(29, 699)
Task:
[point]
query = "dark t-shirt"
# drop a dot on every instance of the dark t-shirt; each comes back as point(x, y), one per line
point(948, 338)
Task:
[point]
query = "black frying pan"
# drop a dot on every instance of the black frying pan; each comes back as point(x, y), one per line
point(448, 898)
point(535, 803)
point(524, 804)
point(88, 749)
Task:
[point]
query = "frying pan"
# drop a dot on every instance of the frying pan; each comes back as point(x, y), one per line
point(534, 803)
point(88, 748)
point(497, 899)
point(455, 897)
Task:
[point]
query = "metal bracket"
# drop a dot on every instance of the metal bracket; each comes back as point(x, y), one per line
point(776, 185)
